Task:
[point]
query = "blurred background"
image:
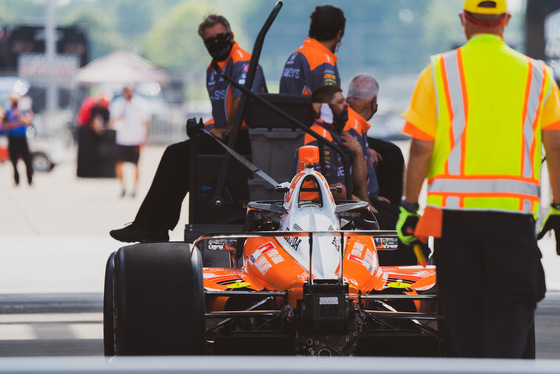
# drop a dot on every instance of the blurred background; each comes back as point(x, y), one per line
point(390, 39)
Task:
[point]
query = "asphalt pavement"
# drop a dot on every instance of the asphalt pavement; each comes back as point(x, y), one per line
point(54, 235)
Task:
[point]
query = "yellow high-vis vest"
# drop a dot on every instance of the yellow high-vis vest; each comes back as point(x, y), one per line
point(487, 150)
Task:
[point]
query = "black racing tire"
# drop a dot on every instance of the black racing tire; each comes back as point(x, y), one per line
point(108, 308)
point(159, 300)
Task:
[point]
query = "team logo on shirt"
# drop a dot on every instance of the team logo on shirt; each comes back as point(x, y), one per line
point(340, 171)
point(329, 79)
point(218, 95)
point(212, 80)
point(291, 59)
point(327, 156)
point(243, 77)
point(291, 73)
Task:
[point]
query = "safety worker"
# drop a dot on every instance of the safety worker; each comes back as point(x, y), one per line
point(477, 118)
point(314, 63)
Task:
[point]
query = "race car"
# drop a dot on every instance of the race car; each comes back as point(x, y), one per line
point(302, 278)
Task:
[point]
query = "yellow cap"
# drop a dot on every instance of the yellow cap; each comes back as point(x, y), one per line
point(485, 6)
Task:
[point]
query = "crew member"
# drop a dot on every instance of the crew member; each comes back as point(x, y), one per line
point(161, 207)
point(331, 111)
point(314, 63)
point(477, 118)
point(385, 156)
point(362, 99)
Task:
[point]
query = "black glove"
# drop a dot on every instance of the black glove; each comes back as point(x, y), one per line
point(552, 222)
point(194, 128)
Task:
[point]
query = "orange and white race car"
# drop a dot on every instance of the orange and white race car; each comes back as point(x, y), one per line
point(303, 279)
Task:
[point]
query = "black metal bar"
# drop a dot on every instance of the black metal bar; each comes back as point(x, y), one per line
point(427, 329)
point(193, 214)
point(320, 139)
point(243, 313)
point(309, 280)
point(221, 323)
point(244, 293)
point(242, 108)
point(342, 249)
point(398, 297)
point(407, 315)
point(349, 233)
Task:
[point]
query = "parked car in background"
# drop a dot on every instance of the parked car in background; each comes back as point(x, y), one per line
point(45, 153)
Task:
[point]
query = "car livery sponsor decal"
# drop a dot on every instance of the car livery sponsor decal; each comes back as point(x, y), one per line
point(365, 259)
point(263, 265)
point(260, 251)
point(275, 256)
point(386, 242)
point(293, 242)
point(335, 242)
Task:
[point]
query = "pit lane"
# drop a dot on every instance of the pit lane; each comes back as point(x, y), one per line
point(53, 248)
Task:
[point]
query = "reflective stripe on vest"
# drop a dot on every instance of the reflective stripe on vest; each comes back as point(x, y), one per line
point(450, 186)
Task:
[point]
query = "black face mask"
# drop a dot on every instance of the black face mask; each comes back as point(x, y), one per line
point(339, 120)
point(219, 47)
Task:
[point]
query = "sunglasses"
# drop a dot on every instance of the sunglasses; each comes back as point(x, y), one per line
point(217, 39)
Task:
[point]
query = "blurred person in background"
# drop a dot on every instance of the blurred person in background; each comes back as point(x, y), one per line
point(131, 120)
point(161, 208)
point(17, 119)
point(93, 119)
point(314, 63)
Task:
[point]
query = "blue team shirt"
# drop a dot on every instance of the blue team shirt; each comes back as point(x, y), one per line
point(310, 66)
point(334, 167)
point(221, 92)
point(19, 130)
